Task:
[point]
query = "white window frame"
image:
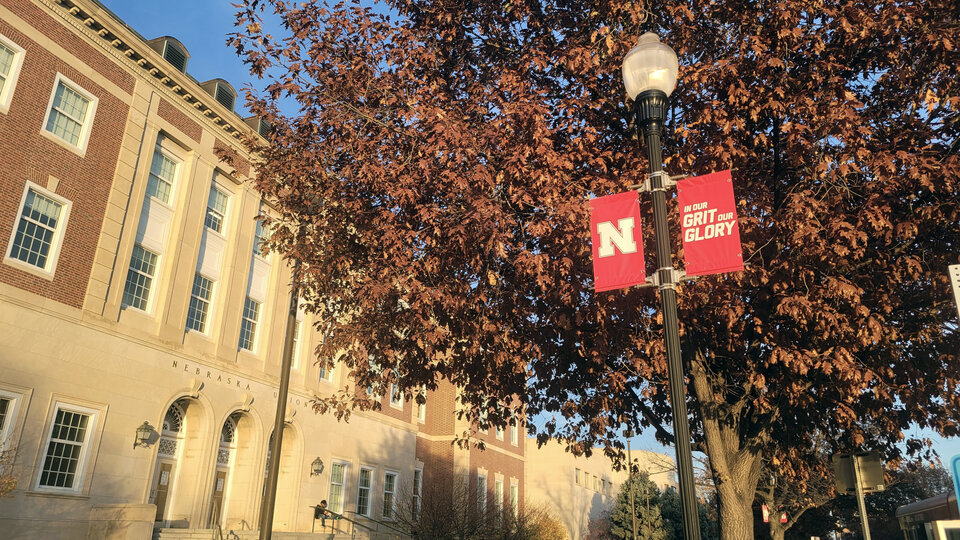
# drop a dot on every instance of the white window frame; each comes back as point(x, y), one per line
point(393, 495)
point(6, 95)
point(514, 434)
point(498, 495)
point(342, 485)
point(297, 342)
point(87, 126)
point(396, 397)
point(91, 429)
point(255, 334)
point(576, 476)
point(214, 185)
point(150, 292)
point(499, 433)
point(422, 407)
point(514, 496)
point(162, 149)
point(482, 493)
point(417, 492)
point(369, 489)
point(11, 417)
point(209, 301)
point(325, 374)
point(55, 243)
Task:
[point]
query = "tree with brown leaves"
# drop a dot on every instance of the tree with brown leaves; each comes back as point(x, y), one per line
point(431, 165)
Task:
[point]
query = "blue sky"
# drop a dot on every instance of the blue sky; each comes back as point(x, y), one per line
point(202, 26)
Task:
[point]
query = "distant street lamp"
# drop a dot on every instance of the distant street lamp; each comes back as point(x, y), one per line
point(650, 75)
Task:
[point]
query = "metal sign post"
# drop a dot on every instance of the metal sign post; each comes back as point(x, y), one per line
point(860, 502)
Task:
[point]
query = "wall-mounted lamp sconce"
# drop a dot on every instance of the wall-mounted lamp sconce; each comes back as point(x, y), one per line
point(143, 435)
point(316, 467)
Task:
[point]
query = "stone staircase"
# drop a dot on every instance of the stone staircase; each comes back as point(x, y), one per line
point(211, 534)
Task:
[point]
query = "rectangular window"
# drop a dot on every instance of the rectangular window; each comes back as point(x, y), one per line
point(396, 397)
point(11, 58)
point(514, 434)
point(199, 303)
point(422, 407)
point(259, 238)
point(389, 494)
point(498, 496)
point(70, 113)
point(576, 476)
point(364, 485)
point(514, 497)
point(66, 448)
point(326, 373)
point(216, 209)
point(8, 406)
point(37, 238)
point(297, 327)
point(499, 433)
point(143, 267)
point(248, 325)
point(163, 175)
point(417, 492)
point(482, 493)
point(338, 473)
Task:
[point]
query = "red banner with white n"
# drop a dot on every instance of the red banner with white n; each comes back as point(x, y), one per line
point(617, 242)
point(708, 219)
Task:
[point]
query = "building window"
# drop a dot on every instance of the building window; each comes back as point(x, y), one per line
point(66, 448)
point(338, 473)
point(422, 407)
point(216, 209)
point(482, 493)
point(260, 237)
point(417, 492)
point(326, 373)
point(576, 476)
point(364, 485)
point(514, 434)
point(389, 494)
point(163, 175)
point(499, 433)
point(8, 415)
point(248, 325)
point(70, 113)
point(11, 58)
point(38, 235)
point(143, 267)
point(514, 497)
point(498, 496)
point(297, 328)
point(396, 397)
point(199, 303)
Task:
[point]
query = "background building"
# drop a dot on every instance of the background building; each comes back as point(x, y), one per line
point(141, 328)
point(580, 489)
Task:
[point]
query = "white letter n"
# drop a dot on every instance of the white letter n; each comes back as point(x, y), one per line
point(621, 236)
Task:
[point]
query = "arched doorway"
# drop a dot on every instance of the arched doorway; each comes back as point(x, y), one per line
point(169, 450)
point(179, 457)
point(233, 499)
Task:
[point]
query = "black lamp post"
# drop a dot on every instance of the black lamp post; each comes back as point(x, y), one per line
point(650, 75)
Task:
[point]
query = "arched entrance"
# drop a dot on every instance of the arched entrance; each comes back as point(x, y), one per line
point(288, 482)
point(179, 454)
point(233, 487)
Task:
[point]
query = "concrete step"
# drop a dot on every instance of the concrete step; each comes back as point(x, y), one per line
point(184, 534)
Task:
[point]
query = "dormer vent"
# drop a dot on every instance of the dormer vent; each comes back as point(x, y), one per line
point(172, 51)
point(221, 91)
point(262, 127)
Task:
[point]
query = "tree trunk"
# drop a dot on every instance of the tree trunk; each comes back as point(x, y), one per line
point(736, 520)
point(735, 463)
point(777, 529)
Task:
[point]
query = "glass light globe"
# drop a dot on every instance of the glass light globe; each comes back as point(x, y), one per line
point(650, 65)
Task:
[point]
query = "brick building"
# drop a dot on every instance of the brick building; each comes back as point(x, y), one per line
point(140, 328)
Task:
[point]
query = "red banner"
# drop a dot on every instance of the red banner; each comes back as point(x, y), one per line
point(708, 212)
point(617, 243)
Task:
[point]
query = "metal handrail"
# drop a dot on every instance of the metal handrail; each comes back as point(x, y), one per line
point(387, 525)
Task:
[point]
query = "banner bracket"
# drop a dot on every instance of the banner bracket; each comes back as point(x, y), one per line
point(657, 181)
